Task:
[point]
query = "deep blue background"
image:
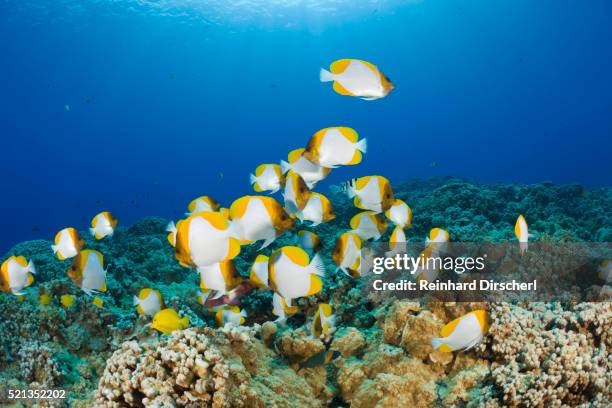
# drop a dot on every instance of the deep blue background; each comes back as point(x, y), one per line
point(512, 91)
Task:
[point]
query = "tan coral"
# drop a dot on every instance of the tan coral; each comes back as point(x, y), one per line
point(204, 367)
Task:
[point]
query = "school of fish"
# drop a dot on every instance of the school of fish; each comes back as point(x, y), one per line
point(210, 236)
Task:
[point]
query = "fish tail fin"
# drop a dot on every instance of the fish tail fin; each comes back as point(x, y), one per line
point(92, 232)
point(55, 248)
point(243, 313)
point(437, 342)
point(136, 300)
point(253, 180)
point(325, 75)
point(285, 166)
point(317, 266)
point(31, 267)
point(362, 145)
point(171, 227)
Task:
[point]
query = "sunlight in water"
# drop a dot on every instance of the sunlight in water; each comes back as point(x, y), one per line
point(274, 14)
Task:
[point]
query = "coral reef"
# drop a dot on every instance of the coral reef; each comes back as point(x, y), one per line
point(535, 354)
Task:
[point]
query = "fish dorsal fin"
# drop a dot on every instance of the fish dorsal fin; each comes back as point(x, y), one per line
point(517, 226)
point(350, 133)
point(354, 223)
point(261, 258)
point(341, 90)
point(371, 66)
point(217, 220)
point(239, 207)
point(483, 319)
point(339, 66)
point(144, 293)
point(260, 169)
point(21, 260)
point(294, 155)
point(445, 349)
point(361, 182)
point(450, 327)
point(297, 255)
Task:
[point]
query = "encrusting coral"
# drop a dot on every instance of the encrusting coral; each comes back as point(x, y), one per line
point(538, 354)
point(202, 367)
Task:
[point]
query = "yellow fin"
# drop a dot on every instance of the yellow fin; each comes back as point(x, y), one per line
point(338, 67)
point(445, 349)
point(294, 155)
point(354, 223)
point(517, 226)
point(350, 133)
point(357, 156)
point(257, 188)
point(370, 65)
point(449, 327)
point(234, 248)
point(315, 285)
point(297, 255)
point(215, 219)
point(239, 207)
point(341, 90)
point(103, 288)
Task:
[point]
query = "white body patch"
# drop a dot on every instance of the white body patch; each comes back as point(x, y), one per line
point(292, 281)
point(212, 277)
point(398, 214)
point(313, 210)
point(94, 275)
point(351, 253)
point(207, 245)
point(366, 228)
point(255, 223)
point(268, 180)
point(467, 334)
point(260, 269)
point(311, 173)
point(369, 196)
point(65, 245)
point(17, 276)
point(150, 305)
point(360, 80)
point(335, 149)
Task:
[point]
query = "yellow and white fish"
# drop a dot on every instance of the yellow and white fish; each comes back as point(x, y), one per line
point(335, 146)
point(16, 274)
point(373, 193)
point(267, 177)
point(354, 77)
point(148, 302)
point(103, 225)
point(258, 274)
point(292, 274)
point(230, 315)
point(462, 333)
point(168, 320)
point(308, 240)
point(87, 271)
point(397, 242)
point(368, 225)
point(437, 236)
point(280, 308)
point(400, 214)
point(310, 172)
point(296, 193)
point(605, 270)
point(205, 239)
point(324, 320)
point(68, 243)
point(221, 277)
point(425, 270)
point(347, 254)
point(202, 203)
point(522, 233)
point(257, 218)
point(318, 209)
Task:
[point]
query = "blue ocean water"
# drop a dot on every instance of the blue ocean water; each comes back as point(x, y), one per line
point(137, 107)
